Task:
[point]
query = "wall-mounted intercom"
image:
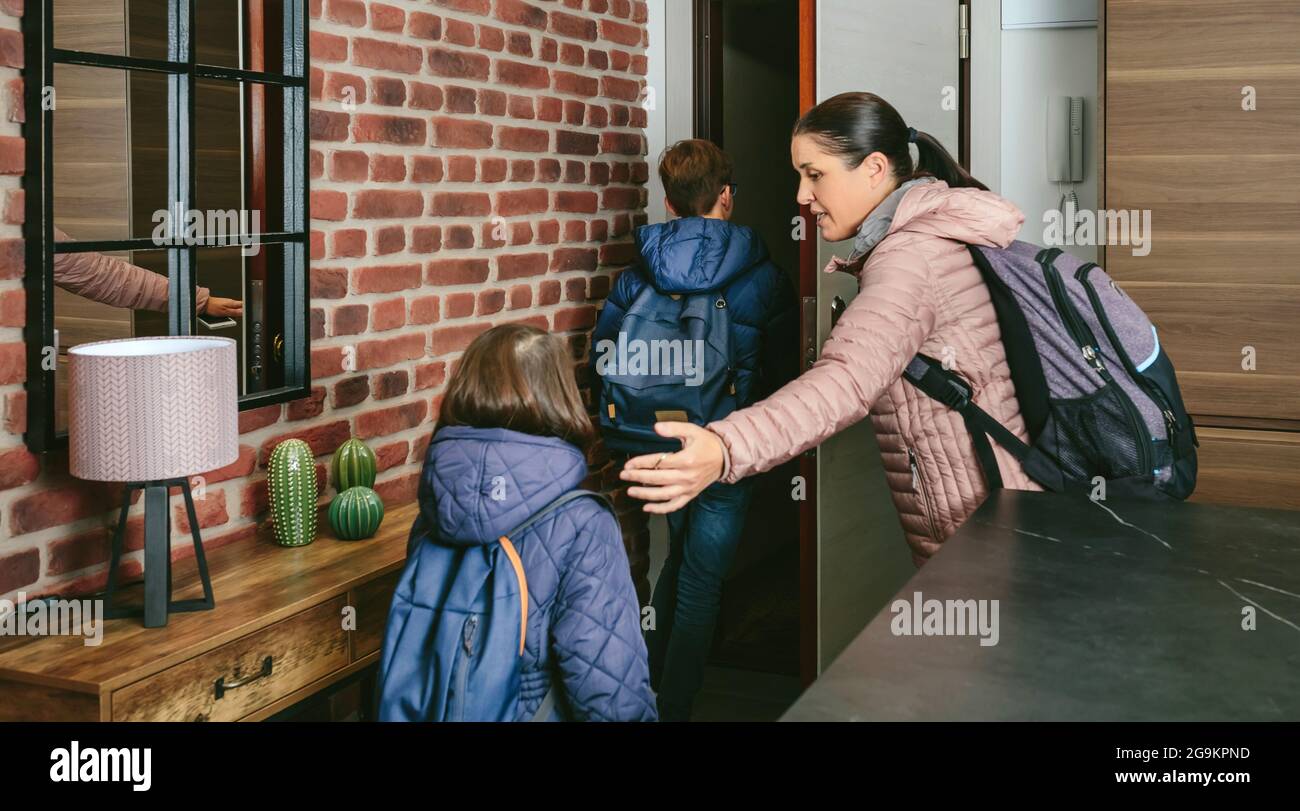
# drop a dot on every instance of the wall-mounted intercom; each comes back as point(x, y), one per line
point(1065, 139)
point(1064, 144)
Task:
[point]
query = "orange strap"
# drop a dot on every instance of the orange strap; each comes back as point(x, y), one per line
point(523, 589)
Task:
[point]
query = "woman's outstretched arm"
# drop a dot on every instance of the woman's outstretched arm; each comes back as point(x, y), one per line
point(879, 333)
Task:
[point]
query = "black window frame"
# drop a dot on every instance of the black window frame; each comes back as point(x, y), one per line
point(183, 73)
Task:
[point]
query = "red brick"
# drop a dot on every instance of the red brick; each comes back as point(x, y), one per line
point(15, 412)
point(384, 55)
point(13, 308)
point(388, 19)
point(390, 239)
point(15, 207)
point(323, 439)
point(623, 143)
point(351, 391)
point(516, 266)
point(13, 363)
point(388, 168)
point(425, 26)
point(19, 570)
point(389, 129)
point(491, 301)
point(456, 271)
point(349, 165)
point(389, 314)
point(454, 339)
point(349, 319)
point(492, 170)
point(388, 421)
point(548, 293)
point(256, 418)
point(344, 87)
point(517, 12)
point(18, 466)
point(522, 139)
point(328, 283)
point(243, 465)
point(426, 238)
point(520, 74)
point(348, 12)
point(566, 259)
point(428, 375)
point(461, 204)
point(327, 126)
point(348, 242)
point(459, 305)
point(211, 512)
point(425, 96)
point(576, 85)
point(387, 385)
point(380, 204)
point(621, 33)
point(457, 64)
point(400, 490)
point(391, 455)
point(574, 27)
point(581, 202)
point(516, 203)
point(56, 506)
point(385, 352)
point(568, 142)
point(328, 205)
point(386, 278)
point(461, 134)
point(387, 91)
point(426, 169)
point(328, 47)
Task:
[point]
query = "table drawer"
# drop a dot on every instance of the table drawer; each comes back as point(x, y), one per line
point(245, 675)
point(372, 603)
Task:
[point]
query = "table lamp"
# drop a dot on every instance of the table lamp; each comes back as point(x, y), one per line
point(151, 412)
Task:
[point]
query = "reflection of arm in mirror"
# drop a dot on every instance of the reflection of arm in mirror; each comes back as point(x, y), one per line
point(119, 283)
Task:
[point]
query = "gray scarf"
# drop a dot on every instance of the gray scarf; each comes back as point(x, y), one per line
point(877, 223)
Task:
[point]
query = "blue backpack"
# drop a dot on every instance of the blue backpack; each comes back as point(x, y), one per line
point(454, 643)
point(672, 362)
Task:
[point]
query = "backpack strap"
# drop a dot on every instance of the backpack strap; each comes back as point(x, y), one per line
point(513, 554)
point(928, 375)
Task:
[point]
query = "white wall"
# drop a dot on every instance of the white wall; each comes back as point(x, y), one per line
point(1037, 63)
point(671, 68)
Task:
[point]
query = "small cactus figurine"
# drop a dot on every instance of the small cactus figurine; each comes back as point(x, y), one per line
point(353, 465)
point(356, 513)
point(292, 482)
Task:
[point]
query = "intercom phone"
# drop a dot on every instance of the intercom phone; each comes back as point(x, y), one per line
point(1065, 148)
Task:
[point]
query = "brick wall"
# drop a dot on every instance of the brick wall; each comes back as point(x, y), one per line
point(473, 162)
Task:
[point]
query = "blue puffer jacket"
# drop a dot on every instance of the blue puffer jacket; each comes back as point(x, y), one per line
point(700, 254)
point(583, 618)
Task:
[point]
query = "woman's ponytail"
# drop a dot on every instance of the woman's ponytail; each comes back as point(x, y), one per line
point(935, 160)
point(851, 126)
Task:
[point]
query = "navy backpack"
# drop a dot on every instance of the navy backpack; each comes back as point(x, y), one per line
point(672, 362)
point(454, 643)
point(1098, 394)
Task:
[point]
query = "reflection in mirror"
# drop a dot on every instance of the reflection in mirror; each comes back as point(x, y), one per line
point(110, 182)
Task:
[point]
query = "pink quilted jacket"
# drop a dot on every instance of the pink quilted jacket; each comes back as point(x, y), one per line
point(920, 291)
point(114, 281)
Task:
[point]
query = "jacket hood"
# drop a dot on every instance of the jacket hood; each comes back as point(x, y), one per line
point(927, 205)
point(487, 481)
point(697, 254)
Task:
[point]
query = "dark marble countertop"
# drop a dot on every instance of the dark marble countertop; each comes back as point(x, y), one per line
point(1106, 610)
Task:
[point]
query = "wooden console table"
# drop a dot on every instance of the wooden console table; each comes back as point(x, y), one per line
point(276, 636)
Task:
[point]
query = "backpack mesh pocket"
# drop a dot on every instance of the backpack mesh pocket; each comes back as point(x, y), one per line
point(1095, 435)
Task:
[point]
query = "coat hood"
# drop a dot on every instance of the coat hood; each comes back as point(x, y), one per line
point(697, 254)
point(927, 205)
point(484, 482)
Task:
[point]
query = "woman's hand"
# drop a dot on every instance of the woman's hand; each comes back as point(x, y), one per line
point(230, 307)
point(676, 478)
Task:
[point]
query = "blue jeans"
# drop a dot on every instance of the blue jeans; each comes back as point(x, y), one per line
point(703, 536)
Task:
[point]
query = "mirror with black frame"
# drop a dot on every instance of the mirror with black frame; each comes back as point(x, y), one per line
point(157, 169)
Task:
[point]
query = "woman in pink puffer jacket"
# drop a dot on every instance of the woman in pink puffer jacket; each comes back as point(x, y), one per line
point(920, 292)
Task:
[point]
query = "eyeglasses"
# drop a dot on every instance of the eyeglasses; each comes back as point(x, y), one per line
point(735, 187)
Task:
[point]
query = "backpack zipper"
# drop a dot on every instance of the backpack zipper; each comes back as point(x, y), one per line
point(457, 713)
point(1152, 390)
point(1087, 342)
point(925, 493)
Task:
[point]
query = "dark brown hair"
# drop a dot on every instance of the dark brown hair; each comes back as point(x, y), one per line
point(693, 173)
point(853, 125)
point(518, 377)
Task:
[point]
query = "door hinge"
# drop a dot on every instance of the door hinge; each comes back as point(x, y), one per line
point(963, 32)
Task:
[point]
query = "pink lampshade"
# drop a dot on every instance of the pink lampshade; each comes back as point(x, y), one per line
point(142, 409)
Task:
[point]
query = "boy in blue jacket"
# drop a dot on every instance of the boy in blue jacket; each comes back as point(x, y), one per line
point(702, 251)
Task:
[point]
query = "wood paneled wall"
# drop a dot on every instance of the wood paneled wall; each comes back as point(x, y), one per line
point(1223, 187)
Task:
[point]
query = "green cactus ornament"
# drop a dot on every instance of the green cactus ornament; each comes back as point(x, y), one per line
point(291, 480)
point(356, 513)
point(353, 465)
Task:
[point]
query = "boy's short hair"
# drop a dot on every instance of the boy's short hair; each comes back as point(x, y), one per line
point(693, 173)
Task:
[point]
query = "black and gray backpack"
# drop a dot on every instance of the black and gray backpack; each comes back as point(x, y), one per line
point(1097, 393)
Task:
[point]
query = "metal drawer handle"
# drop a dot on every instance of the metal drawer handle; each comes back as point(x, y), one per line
point(222, 685)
